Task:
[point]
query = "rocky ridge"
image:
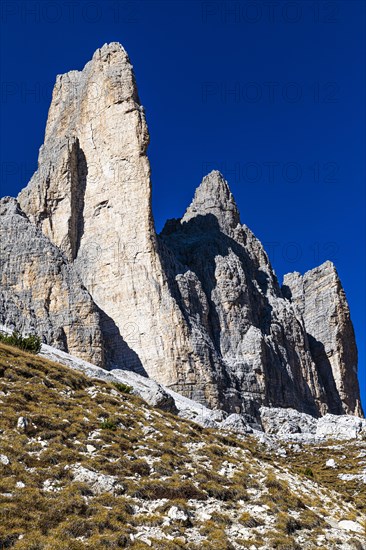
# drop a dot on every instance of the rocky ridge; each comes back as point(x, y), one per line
point(197, 308)
point(275, 424)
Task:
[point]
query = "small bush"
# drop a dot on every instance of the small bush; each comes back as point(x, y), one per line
point(273, 482)
point(248, 521)
point(280, 495)
point(31, 343)
point(309, 520)
point(8, 537)
point(140, 467)
point(220, 492)
point(280, 542)
point(308, 472)
point(287, 523)
point(108, 425)
point(123, 388)
point(171, 490)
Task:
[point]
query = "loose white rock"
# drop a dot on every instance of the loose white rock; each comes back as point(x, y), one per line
point(98, 483)
point(4, 460)
point(23, 424)
point(177, 514)
point(340, 426)
point(348, 525)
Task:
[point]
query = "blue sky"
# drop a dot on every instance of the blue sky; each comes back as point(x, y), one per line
point(270, 93)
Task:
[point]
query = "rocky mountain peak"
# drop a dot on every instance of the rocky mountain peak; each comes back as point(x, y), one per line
point(82, 97)
point(213, 196)
point(319, 298)
point(197, 308)
point(109, 49)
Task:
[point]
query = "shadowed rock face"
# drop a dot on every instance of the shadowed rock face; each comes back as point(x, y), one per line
point(199, 307)
point(258, 334)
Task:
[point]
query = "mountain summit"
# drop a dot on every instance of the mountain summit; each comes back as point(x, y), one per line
point(198, 307)
point(214, 197)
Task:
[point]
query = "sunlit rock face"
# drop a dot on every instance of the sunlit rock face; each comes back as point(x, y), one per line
point(91, 196)
point(41, 292)
point(198, 307)
point(319, 298)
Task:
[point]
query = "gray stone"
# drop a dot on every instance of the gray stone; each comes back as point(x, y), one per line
point(287, 421)
point(24, 424)
point(146, 388)
point(99, 483)
point(259, 349)
point(236, 423)
point(176, 514)
point(213, 197)
point(40, 292)
point(4, 460)
point(341, 427)
point(349, 525)
point(353, 477)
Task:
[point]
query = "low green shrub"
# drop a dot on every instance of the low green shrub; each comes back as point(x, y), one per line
point(108, 425)
point(30, 343)
point(123, 388)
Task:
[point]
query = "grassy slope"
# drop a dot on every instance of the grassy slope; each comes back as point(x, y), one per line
point(228, 491)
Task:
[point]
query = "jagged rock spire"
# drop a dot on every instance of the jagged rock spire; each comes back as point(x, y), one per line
point(91, 195)
point(213, 196)
point(319, 298)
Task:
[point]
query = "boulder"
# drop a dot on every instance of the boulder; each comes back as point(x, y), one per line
point(99, 483)
point(341, 427)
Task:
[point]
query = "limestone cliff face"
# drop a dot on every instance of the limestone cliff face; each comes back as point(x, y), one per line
point(91, 196)
point(40, 292)
point(257, 336)
point(198, 307)
point(319, 298)
point(93, 175)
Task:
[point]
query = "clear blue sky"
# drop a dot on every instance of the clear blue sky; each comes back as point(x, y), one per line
point(272, 94)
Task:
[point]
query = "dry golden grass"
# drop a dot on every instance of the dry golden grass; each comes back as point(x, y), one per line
point(147, 451)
